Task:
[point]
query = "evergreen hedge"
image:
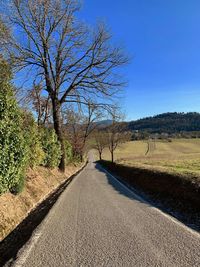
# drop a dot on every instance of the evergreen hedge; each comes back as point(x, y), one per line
point(13, 149)
point(33, 137)
point(51, 147)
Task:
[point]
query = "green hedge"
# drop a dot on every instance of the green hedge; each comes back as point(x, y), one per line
point(68, 152)
point(33, 136)
point(22, 142)
point(51, 147)
point(13, 149)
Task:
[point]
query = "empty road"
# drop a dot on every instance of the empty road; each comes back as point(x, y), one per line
point(99, 222)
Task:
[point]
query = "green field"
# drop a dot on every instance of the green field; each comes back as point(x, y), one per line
point(180, 155)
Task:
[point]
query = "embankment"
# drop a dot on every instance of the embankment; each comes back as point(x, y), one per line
point(39, 184)
point(179, 195)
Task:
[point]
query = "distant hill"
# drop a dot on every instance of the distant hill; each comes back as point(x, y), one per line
point(167, 123)
point(104, 122)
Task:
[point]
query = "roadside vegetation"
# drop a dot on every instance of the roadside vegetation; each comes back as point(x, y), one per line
point(58, 78)
point(168, 173)
point(65, 68)
point(23, 143)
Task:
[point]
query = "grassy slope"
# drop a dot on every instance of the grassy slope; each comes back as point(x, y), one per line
point(180, 156)
point(39, 184)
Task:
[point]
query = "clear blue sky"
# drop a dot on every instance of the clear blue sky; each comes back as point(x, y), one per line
point(163, 36)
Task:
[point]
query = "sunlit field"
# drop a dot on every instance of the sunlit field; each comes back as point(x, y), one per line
point(179, 155)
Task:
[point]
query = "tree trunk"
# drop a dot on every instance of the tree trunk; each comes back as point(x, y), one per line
point(81, 157)
point(58, 130)
point(112, 156)
point(100, 158)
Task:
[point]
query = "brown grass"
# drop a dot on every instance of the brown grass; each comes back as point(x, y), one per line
point(39, 184)
point(181, 156)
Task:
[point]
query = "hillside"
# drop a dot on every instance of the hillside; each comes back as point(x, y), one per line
point(168, 123)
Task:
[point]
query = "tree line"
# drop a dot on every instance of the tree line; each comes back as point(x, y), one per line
point(170, 123)
point(23, 143)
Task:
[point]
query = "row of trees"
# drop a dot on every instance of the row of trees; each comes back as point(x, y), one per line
point(70, 79)
point(171, 123)
point(71, 68)
point(23, 143)
point(111, 137)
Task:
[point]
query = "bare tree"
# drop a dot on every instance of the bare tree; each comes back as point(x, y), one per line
point(101, 141)
point(74, 61)
point(80, 124)
point(117, 133)
point(41, 104)
point(4, 36)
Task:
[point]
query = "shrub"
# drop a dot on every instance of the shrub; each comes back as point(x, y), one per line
point(32, 135)
point(51, 147)
point(13, 150)
point(19, 186)
point(68, 151)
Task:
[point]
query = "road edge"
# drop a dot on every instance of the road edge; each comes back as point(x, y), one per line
point(149, 202)
point(13, 256)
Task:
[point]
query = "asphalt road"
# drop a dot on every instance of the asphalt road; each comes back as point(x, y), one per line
point(99, 222)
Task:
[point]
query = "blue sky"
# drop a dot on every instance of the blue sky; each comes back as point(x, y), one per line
point(163, 37)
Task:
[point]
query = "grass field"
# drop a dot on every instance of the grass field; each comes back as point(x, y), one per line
point(178, 156)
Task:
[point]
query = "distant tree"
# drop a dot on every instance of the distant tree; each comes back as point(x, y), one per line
point(117, 133)
point(74, 62)
point(101, 142)
point(79, 126)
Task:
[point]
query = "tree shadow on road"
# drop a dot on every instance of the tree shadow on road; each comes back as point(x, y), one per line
point(191, 218)
point(121, 187)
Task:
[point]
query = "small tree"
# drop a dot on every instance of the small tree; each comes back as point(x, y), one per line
point(116, 133)
point(101, 141)
point(13, 150)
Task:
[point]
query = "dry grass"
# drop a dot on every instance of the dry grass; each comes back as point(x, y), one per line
point(39, 184)
point(181, 156)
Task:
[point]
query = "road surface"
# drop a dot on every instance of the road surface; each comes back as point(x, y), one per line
point(99, 222)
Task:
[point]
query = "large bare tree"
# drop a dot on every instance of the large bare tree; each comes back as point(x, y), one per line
point(75, 62)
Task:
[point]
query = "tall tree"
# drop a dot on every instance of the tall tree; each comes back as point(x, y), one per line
point(75, 62)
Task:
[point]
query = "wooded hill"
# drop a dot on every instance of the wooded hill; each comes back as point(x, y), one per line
point(167, 123)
